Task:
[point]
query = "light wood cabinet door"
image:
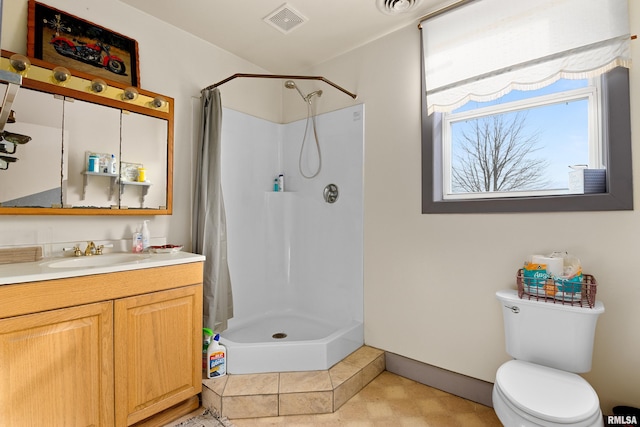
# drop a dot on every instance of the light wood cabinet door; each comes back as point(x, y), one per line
point(158, 363)
point(56, 367)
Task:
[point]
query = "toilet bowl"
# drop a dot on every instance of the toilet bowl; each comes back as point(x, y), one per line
point(526, 394)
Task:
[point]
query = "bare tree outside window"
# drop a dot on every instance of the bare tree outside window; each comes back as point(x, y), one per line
point(497, 153)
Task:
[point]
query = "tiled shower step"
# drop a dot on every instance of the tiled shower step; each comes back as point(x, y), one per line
point(293, 393)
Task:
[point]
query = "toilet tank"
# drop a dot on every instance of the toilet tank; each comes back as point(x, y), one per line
point(554, 335)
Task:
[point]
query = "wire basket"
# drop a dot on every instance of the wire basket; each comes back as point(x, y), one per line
point(557, 291)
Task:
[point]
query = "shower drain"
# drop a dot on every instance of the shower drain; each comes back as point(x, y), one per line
point(279, 335)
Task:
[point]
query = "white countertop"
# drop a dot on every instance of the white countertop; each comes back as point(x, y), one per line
point(40, 270)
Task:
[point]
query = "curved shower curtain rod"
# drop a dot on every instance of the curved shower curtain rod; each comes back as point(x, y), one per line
point(280, 76)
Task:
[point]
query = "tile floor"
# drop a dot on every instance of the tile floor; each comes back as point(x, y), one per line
point(391, 400)
point(357, 392)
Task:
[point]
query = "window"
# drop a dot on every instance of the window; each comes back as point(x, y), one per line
point(524, 144)
point(500, 129)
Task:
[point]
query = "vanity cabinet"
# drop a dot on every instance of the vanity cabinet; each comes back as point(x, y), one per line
point(154, 352)
point(110, 349)
point(56, 367)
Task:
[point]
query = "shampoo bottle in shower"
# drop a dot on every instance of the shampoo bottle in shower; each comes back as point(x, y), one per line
point(281, 182)
point(275, 185)
point(216, 358)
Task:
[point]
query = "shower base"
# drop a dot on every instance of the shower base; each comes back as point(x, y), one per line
point(288, 342)
point(293, 393)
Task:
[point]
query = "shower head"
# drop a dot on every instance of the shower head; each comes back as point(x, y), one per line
point(314, 93)
point(290, 84)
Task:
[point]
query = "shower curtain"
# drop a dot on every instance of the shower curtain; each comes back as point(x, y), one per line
point(209, 234)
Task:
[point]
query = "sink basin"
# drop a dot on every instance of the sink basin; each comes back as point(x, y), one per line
point(98, 260)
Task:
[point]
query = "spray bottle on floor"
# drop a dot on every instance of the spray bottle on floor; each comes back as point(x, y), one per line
point(215, 364)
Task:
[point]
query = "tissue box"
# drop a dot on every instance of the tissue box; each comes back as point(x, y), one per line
point(585, 181)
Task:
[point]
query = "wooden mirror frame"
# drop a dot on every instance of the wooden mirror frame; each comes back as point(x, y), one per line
point(81, 91)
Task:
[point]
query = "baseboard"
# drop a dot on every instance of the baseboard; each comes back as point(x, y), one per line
point(461, 385)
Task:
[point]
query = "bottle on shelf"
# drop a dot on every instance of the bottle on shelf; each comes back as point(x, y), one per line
point(94, 163)
point(113, 165)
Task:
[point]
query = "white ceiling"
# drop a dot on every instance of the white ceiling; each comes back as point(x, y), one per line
point(333, 27)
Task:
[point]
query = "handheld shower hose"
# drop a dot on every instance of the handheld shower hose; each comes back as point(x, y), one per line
point(290, 84)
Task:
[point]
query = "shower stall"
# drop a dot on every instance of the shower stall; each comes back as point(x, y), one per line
point(295, 256)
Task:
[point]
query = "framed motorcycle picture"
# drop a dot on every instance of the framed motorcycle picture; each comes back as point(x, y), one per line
point(66, 40)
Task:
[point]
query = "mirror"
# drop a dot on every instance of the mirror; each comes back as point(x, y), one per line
point(35, 178)
point(89, 129)
point(91, 152)
point(138, 133)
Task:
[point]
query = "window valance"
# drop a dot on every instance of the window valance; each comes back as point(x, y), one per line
point(486, 48)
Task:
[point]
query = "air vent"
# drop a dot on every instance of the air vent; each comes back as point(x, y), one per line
point(285, 19)
point(396, 7)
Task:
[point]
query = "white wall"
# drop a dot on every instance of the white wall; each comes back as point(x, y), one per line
point(173, 63)
point(430, 279)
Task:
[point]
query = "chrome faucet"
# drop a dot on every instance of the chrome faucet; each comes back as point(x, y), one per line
point(91, 249)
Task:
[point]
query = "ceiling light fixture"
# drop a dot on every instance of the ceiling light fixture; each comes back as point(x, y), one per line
point(396, 7)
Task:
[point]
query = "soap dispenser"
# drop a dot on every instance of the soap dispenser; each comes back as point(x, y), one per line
point(136, 241)
point(146, 236)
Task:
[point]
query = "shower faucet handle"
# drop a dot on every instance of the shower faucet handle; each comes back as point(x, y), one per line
point(330, 193)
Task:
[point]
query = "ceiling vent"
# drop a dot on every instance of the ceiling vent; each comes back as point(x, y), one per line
point(396, 7)
point(285, 19)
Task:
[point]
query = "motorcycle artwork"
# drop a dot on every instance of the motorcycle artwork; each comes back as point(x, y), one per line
point(91, 53)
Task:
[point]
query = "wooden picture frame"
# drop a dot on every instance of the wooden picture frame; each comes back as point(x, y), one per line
point(66, 40)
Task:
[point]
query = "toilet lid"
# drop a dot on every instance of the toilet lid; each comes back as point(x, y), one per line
point(546, 393)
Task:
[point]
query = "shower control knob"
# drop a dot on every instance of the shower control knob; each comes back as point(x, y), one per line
point(330, 193)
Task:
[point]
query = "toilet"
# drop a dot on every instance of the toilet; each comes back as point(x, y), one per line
point(551, 344)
